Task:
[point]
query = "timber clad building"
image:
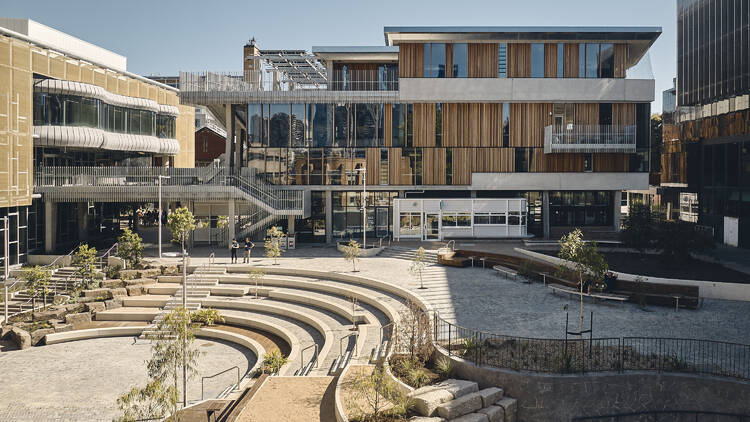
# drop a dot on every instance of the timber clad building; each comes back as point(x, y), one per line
point(458, 131)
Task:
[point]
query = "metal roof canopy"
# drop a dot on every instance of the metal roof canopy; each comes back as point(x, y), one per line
point(297, 66)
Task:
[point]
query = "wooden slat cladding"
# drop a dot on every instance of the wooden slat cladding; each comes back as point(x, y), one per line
point(424, 125)
point(587, 114)
point(623, 114)
point(399, 168)
point(462, 165)
point(519, 60)
point(621, 57)
point(411, 60)
point(433, 166)
point(610, 162)
point(448, 60)
point(493, 160)
point(372, 155)
point(556, 163)
point(482, 60)
point(550, 60)
point(570, 67)
point(527, 122)
point(471, 125)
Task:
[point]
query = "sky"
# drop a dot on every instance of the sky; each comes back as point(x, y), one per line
point(162, 37)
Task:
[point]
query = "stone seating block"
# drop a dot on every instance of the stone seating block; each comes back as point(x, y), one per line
point(38, 335)
point(62, 328)
point(139, 281)
point(78, 319)
point(472, 417)
point(426, 419)
point(121, 291)
point(112, 284)
point(460, 406)
point(494, 413)
point(135, 290)
point(458, 388)
point(58, 313)
point(94, 293)
point(509, 408)
point(20, 337)
point(149, 273)
point(491, 396)
point(113, 303)
point(94, 307)
point(428, 401)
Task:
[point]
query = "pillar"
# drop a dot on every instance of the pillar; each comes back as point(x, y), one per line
point(229, 144)
point(545, 213)
point(231, 215)
point(329, 217)
point(290, 225)
point(616, 211)
point(50, 225)
point(82, 210)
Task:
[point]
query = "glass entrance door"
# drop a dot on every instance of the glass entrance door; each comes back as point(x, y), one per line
point(431, 227)
point(381, 222)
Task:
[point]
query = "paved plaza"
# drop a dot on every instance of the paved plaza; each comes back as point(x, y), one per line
point(81, 380)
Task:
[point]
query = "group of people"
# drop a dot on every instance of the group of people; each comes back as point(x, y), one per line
point(235, 247)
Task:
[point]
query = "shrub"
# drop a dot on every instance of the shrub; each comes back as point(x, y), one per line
point(206, 316)
point(130, 247)
point(272, 362)
point(112, 271)
point(526, 269)
point(678, 239)
point(444, 367)
point(85, 262)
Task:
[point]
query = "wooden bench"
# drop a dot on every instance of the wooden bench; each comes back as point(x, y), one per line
point(605, 296)
point(505, 271)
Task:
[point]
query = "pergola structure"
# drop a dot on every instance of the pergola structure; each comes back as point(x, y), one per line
point(296, 66)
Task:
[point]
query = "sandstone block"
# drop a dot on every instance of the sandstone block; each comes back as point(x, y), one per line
point(128, 274)
point(77, 320)
point(460, 406)
point(4, 331)
point(62, 328)
point(494, 413)
point(58, 313)
point(458, 388)
point(491, 395)
point(428, 401)
point(149, 273)
point(113, 303)
point(509, 408)
point(121, 291)
point(38, 335)
point(94, 307)
point(20, 337)
point(472, 417)
point(139, 281)
point(135, 290)
point(94, 293)
point(426, 419)
point(112, 284)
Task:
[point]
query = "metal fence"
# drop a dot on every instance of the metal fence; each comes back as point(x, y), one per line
point(667, 416)
point(595, 355)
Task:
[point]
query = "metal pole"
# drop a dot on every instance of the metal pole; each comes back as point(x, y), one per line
point(159, 217)
point(364, 207)
point(184, 322)
point(6, 270)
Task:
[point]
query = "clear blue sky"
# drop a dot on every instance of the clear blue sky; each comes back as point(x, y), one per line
point(166, 36)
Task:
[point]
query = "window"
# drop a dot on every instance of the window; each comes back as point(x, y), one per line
point(522, 160)
point(596, 60)
point(366, 125)
point(384, 166)
point(255, 124)
point(438, 124)
point(605, 113)
point(537, 60)
point(460, 60)
point(489, 219)
point(434, 60)
point(592, 60)
point(340, 125)
point(461, 219)
point(398, 125)
point(298, 126)
point(410, 224)
point(205, 144)
point(449, 166)
point(502, 60)
point(560, 60)
point(322, 120)
point(278, 129)
point(514, 218)
point(588, 163)
point(607, 57)
point(506, 125)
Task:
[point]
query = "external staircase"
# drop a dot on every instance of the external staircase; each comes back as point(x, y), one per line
point(400, 252)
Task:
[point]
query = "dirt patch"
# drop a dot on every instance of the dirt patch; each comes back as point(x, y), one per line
point(269, 341)
point(290, 399)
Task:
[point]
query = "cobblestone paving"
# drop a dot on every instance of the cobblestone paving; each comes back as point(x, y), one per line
point(80, 381)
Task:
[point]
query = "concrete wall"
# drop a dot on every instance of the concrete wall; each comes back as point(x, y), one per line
point(559, 181)
point(543, 397)
point(526, 90)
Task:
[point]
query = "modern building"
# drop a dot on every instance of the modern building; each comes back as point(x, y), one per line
point(554, 120)
point(706, 151)
point(65, 102)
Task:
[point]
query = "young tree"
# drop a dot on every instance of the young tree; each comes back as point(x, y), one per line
point(174, 348)
point(129, 247)
point(351, 253)
point(37, 283)
point(584, 259)
point(256, 275)
point(85, 262)
point(417, 266)
point(414, 334)
point(371, 394)
point(181, 223)
point(273, 244)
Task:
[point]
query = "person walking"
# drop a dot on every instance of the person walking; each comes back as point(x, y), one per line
point(235, 247)
point(248, 248)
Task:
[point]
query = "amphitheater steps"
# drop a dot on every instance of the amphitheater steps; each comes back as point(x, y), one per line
point(399, 252)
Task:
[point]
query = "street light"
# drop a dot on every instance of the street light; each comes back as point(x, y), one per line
point(6, 270)
point(160, 177)
point(364, 205)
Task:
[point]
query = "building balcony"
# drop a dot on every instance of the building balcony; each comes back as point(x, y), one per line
point(589, 138)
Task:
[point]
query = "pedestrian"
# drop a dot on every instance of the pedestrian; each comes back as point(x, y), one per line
point(248, 248)
point(234, 246)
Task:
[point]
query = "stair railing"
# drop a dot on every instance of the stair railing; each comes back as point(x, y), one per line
point(341, 341)
point(203, 380)
point(102, 259)
point(383, 328)
point(315, 356)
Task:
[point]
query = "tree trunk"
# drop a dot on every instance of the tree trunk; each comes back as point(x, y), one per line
point(580, 281)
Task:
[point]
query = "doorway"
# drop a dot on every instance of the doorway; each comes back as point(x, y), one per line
point(431, 227)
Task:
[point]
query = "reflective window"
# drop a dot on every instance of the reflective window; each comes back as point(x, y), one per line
point(588, 162)
point(340, 126)
point(398, 125)
point(298, 126)
point(502, 60)
point(522, 160)
point(537, 60)
point(607, 67)
point(592, 60)
point(255, 124)
point(460, 60)
point(506, 124)
point(322, 121)
point(438, 124)
point(560, 60)
point(434, 60)
point(366, 125)
point(278, 128)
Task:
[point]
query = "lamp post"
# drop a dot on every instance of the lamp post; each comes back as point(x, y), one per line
point(160, 177)
point(364, 206)
point(6, 258)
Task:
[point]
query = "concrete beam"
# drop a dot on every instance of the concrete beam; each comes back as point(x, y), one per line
point(559, 181)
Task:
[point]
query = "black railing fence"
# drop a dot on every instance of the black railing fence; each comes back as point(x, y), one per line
point(667, 416)
point(596, 354)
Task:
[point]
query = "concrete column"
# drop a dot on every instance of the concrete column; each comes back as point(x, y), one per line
point(229, 150)
point(616, 211)
point(545, 213)
point(50, 225)
point(329, 217)
point(230, 220)
point(290, 225)
point(82, 214)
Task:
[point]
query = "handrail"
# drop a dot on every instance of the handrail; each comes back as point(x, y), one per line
point(104, 256)
point(301, 358)
point(341, 340)
point(452, 241)
point(203, 379)
point(382, 330)
point(48, 267)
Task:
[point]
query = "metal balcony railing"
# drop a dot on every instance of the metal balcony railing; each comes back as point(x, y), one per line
point(589, 138)
point(113, 184)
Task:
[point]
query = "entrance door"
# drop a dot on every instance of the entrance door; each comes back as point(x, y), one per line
point(381, 222)
point(431, 227)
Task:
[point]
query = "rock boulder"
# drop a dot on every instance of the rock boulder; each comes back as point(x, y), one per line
point(20, 337)
point(460, 406)
point(78, 320)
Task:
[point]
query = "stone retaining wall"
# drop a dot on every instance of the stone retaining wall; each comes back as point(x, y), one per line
point(548, 397)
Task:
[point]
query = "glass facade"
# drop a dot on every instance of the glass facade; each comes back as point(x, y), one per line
point(596, 60)
point(581, 208)
point(460, 60)
point(434, 60)
point(537, 60)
